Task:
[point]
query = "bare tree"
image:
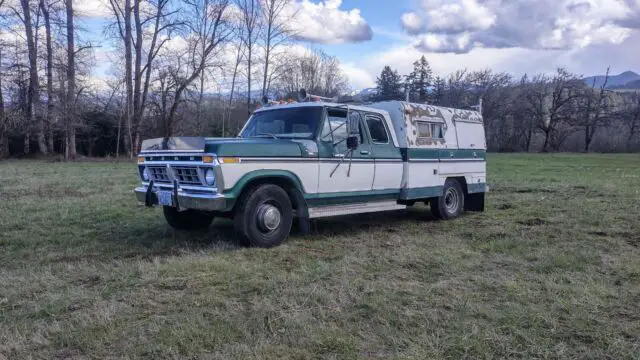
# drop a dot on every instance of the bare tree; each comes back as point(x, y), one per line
point(44, 7)
point(4, 123)
point(70, 143)
point(595, 112)
point(123, 22)
point(276, 32)
point(250, 10)
point(207, 25)
point(33, 99)
point(558, 107)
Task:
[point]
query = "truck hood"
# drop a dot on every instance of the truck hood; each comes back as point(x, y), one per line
point(234, 147)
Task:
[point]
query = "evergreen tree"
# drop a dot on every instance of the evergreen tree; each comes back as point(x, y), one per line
point(421, 78)
point(439, 90)
point(389, 82)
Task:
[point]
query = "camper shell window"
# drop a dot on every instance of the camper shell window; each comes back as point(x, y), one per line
point(430, 130)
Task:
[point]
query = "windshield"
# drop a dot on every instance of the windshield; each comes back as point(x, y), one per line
point(292, 123)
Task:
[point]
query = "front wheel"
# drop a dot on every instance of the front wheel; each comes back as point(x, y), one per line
point(264, 216)
point(451, 203)
point(188, 219)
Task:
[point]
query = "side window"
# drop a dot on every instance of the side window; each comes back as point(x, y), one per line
point(437, 131)
point(377, 130)
point(335, 128)
point(430, 130)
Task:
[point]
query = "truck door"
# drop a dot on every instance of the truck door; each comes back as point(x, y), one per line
point(343, 182)
point(388, 160)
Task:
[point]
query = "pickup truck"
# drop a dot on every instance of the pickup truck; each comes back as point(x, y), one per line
point(313, 159)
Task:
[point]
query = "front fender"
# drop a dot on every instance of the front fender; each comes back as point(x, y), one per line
point(257, 175)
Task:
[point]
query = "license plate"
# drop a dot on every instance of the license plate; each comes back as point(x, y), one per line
point(165, 198)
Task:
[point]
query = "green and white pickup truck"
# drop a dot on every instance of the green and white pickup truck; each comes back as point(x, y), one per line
point(309, 160)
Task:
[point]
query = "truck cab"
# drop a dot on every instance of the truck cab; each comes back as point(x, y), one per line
point(307, 160)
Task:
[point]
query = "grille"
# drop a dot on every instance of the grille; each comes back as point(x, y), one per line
point(158, 173)
point(187, 175)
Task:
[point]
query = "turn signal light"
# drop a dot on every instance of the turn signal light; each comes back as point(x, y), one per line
point(140, 159)
point(207, 159)
point(229, 160)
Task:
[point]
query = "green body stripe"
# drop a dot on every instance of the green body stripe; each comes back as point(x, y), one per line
point(445, 154)
point(421, 193)
point(350, 197)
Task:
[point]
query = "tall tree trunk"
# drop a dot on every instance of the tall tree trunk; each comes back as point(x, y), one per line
point(199, 106)
point(128, 76)
point(70, 151)
point(233, 87)
point(137, 108)
point(249, 77)
point(4, 131)
point(588, 137)
point(33, 98)
point(547, 136)
point(49, 116)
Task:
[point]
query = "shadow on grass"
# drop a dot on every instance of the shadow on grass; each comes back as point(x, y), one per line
point(143, 240)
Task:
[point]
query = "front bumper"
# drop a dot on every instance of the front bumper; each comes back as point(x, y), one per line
point(189, 200)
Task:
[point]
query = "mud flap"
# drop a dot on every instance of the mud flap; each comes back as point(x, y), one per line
point(474, 202)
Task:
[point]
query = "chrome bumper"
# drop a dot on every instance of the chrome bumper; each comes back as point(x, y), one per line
point(189, 200)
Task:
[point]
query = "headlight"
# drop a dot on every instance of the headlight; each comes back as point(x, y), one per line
point(209, 178)
point(145, 174)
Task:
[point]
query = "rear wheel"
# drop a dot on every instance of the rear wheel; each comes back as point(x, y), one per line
point(264, 216)
point(188, 219)
point(451, 203)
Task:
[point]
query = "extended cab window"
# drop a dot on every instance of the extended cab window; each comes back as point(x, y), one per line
point(292, 123)
point(377, 130)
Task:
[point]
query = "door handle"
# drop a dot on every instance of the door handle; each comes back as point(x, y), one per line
point(364, 152)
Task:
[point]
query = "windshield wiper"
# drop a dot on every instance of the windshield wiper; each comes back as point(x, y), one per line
point(266, 134)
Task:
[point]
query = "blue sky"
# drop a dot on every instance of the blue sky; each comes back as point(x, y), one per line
point(515, 36)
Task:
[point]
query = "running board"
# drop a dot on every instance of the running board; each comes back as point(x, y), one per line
point(335, 210)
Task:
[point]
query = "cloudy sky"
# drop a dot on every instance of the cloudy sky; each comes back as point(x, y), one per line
point(517, 36)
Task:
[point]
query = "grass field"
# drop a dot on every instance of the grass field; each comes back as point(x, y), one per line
point(551, 270)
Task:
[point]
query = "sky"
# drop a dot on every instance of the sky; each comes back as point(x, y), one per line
point(516, 36)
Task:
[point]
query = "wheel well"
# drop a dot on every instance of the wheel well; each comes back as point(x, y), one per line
point(462, 181)
point(288, 185)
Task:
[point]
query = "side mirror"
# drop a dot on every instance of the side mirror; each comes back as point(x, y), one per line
point(353, 129)
point(352, 142)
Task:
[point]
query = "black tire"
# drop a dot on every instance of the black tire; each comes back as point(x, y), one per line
point(263, 216)
point(451, 204)
point(188, 219)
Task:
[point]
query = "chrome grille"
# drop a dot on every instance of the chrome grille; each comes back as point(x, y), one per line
point(186, 175)
point(158, 173)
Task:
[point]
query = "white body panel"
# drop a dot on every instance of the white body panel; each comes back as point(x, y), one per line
point(388, 175)
point(421, 174)
point(360, 178)
point(305, 170)
point(470, 135)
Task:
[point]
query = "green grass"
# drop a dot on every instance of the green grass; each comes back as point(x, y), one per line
point(551, 270)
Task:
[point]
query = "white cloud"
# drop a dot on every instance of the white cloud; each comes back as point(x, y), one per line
point(359, 78)
point(92, 8)
point(462, 25)
point(325, 22)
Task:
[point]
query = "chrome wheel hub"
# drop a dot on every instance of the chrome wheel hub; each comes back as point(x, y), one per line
point(451, 200)
point(269, 217)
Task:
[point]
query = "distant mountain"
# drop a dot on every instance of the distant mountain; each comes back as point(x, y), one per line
point(622, 81)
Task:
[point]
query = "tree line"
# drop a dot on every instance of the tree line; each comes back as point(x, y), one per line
point(544, 112)
point(187, 66)
point(201, 66)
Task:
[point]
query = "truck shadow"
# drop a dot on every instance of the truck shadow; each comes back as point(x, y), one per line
point(157, 240)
